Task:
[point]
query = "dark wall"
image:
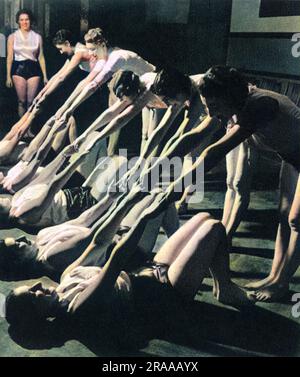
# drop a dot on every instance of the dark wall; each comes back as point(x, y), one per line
point(207, 34)
point(191, 47)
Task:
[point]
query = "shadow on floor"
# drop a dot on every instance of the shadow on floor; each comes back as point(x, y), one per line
point(261, 252)
point(205, 328)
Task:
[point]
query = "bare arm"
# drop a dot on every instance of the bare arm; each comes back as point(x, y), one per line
point(31, 210)
point(42, 61)
point(37, 142)
point(89, 89)
point(192, 118)
point(79, 88)
point(154, 139)
point(182, 146)
point(210, 157)
point(62, 178)
point(190, 140)
point(105, 229)
point(63, 74)
point(107, 116)
point(9, 60)
point(161, 130)
point(123, 118)
point(42, 95)
point(51, 169)
point(100, 289)
point(89, 216)
point(177, 135)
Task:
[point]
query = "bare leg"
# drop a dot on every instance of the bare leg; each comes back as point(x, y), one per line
point(231, 161)
point(190, 267)
point(21, 88)
point(239, 174)
point(288, 181)
point(73, 129)
point(61, 138)
point(32, 89)
point(105, 233)
point(174, 245)
point(286, 261)
point(181, 205)
point(205, 249)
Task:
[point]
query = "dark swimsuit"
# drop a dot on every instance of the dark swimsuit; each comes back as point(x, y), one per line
point(79, 199)
point(151, 269)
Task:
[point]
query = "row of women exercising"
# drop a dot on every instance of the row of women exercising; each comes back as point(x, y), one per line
point(95, 240)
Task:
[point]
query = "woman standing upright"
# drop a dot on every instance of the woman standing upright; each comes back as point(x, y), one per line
point(25, 61)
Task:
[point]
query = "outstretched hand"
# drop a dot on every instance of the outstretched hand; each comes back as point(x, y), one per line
point(63, 241)
point(70, 149)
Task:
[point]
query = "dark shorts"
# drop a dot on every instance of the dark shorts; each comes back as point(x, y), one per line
point(26, 69)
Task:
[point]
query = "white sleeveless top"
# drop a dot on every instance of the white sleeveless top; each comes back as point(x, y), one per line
point(122, 59)
point(84, 65)
point(26, 48)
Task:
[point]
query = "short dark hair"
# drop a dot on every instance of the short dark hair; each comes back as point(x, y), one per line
point(25, 11)
point(225, 82)
point(19, 309)
point(15, 262)
point(125, 83)
point(63, 36)
point(170, 82)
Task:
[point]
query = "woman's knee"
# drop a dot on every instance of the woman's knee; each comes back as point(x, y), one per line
point(241, 186)
point(284, 213)
point(216, 227)
point(214, 232)
point(202, 216)
point(294, 222)
point(230, 182)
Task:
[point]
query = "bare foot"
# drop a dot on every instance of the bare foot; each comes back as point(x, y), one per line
point(235, 296)
point(258, 284)
point(272, 292)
